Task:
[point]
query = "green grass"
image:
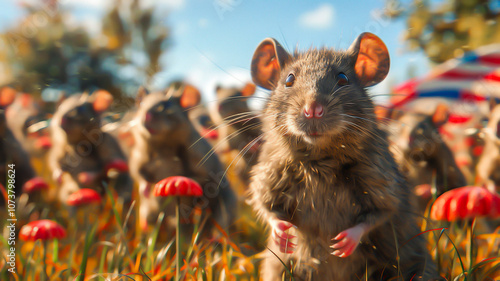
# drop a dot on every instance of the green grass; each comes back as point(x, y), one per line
point(107, 244)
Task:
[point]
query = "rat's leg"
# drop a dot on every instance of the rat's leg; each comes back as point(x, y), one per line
point(271, 268)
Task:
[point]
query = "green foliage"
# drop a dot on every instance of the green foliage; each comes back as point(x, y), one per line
point(446, 29)
point(47, 49)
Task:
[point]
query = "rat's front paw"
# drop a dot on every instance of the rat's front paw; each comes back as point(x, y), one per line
point(348, 240)
point(280, 237)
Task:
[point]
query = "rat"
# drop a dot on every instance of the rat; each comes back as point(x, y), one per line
point(13, 153)
point(29, 123)
point(460, 132)
point(487, 169)
point(421, 152)
point(167, 144)
point(325, 171)
point(82, 154)
point(198, 113)
point(240, 128)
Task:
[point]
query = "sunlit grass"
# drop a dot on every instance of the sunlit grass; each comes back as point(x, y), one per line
point(106, 244)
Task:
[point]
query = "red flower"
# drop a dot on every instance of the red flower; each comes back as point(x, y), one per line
point(466, 202)
point(42, 229)
point(178, 186)
point(84, 196)
point(35, 184)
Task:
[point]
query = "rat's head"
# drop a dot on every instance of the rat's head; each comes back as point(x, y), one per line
point(417, 136)
point(232, 101)
point(319, 95)
point(164, 114)
point(79, 115)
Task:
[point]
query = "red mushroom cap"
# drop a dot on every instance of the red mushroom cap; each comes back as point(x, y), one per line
point(43, 142)
point(84, 196)
point(42, 229)
point(209, 134)
point(466, 202)
point(178, 186)
point(119, 165)
point(35, 184)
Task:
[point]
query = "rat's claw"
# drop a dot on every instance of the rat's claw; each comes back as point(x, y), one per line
point(282, 235)
point(340, 244)
point(349, 240)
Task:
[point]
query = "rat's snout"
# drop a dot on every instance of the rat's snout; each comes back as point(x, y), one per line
point(314, 110)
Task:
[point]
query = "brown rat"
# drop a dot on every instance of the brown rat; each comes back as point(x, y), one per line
point(198, 113)
point(421, 152)
point(12, 152)
point(325, 168)
point(166, 144)
point(240, 128)
point(29, 122)
point(82, 153)
point(488, 167)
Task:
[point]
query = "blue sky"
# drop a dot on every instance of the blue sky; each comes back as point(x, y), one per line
point(213, 41)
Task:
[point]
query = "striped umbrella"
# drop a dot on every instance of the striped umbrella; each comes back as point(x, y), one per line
point(473, 77)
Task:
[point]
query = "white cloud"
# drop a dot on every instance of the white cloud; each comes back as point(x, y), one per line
point(91, 23)
point(319, 18)
point(103, 5)
point(203, 22)
point(168, 4)
point(91, 4)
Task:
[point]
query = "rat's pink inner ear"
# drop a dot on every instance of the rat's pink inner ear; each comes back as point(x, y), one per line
point(7, 96)
point(372, 62)
point(267, 61)
point(103, 100)
point(382, 113)
point(190, 97)
point(441, 114)
point(248, 90)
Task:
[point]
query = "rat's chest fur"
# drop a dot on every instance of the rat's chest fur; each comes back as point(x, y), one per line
point(313, 193)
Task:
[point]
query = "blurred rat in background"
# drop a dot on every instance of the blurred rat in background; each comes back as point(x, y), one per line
point(167, 144)
point(240, 128)
point(420, 151)
point(82, 155)
point(15, 165)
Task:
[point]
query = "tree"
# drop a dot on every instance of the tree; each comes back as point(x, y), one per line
point(447, 29)
point(45, 50)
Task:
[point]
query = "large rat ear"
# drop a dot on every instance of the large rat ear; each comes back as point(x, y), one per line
point(190, 97)
point(102, 100)
point(141, 93)
point(248, 90)
point(382, 113)
point(440, 115)
point(7, 96)
point(267, 62)
point(372, 59)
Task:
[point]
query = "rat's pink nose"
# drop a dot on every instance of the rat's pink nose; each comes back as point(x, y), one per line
point(314, 110)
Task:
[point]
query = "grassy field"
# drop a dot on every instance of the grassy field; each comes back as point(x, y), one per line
point(106, 243)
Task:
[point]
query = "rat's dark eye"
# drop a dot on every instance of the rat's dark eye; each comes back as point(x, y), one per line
point(289, 80)
point(342, 79)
